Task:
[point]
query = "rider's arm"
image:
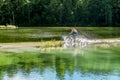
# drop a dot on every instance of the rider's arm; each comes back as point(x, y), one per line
point(71, 32)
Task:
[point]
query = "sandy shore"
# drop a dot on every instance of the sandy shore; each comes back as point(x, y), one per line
point(27, 46)
point(19, 44)
point(19, 47)
point(35, 46)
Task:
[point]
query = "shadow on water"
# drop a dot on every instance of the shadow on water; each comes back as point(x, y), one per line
point(91, 63)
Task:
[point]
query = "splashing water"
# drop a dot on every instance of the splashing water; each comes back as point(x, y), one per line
point(80, 42)
point(70, 41)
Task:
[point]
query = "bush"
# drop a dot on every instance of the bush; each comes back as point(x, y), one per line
point(2, 27)
point(8, 27)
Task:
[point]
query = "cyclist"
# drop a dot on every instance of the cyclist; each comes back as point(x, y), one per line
point(74, 32)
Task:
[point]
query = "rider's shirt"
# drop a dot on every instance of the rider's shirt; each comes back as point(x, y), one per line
point(75, 33)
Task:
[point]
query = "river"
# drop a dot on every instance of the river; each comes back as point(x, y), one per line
point(90, 63)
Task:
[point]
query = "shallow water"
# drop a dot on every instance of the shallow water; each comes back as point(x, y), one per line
point(91, 63)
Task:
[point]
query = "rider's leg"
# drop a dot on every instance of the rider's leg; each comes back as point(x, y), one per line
point(74, 36)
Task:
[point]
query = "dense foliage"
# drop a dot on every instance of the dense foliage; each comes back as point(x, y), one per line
point(60, 12)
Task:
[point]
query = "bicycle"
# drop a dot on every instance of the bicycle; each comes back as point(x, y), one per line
point(70, 41)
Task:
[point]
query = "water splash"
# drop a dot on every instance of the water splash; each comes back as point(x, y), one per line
point(80, 42)
point(70, 42)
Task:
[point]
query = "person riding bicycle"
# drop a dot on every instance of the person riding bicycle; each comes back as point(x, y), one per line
point(74, 32)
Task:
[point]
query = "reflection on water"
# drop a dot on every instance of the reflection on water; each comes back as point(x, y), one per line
point(48, 75)
point(88, 64)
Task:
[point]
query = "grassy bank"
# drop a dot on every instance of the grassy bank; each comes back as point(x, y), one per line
point(27, 34)
point(104, 32)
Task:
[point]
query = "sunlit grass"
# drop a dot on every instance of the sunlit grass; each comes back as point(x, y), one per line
point(5, 59)
point(12, 58)
point(53, 43)
point(27, 34)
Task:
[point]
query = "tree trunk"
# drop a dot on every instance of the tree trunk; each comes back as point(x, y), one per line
point(109, 15)
point(13, 18)
point(61, 13)
point(28, 13)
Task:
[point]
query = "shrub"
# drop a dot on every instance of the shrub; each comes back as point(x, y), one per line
point(8, 27)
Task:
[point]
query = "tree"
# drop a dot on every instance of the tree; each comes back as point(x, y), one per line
point(60, 12)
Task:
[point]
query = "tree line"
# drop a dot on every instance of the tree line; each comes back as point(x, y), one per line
point(60, 12)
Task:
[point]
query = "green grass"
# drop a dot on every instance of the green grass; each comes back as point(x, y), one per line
point(103, 32)
point(12, 58)
point(5, 59)
point(28, 34)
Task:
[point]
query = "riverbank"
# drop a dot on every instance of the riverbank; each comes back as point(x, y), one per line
point(37, 46)
point(28, 46)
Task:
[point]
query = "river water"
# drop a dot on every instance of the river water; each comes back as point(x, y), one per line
point(90, 63)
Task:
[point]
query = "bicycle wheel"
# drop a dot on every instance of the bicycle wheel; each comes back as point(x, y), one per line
point(69, 41)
